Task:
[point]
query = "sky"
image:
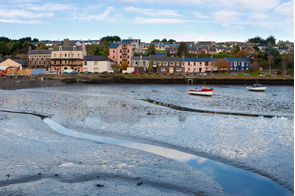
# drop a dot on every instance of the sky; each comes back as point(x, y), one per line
point(181, 20)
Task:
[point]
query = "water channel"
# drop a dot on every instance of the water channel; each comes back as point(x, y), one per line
point(234, 181)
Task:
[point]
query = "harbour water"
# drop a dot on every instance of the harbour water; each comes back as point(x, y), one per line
point(248, 142)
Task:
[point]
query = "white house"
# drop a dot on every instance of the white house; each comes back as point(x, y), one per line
point(97, 64)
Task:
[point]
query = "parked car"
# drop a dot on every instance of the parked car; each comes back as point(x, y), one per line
point(105, 72)
point(261, 75)
point(87, 72)
point(74, 72)
point(246, 74)
point(136, 71)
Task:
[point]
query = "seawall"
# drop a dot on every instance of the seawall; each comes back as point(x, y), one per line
point(64, 79)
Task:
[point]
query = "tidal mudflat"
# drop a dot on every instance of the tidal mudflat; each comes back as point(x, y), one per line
point(262, 145)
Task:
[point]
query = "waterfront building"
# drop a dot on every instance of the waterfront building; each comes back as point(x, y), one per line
point(238, 63)
point(38, 59)
point(67, 56)
point(97, 64)
point(199, 65)
point(164, 64)
point(140, 63)
point(124, 50)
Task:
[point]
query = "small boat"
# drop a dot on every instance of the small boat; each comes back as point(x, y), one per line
point(256, 87)
point(205, 90)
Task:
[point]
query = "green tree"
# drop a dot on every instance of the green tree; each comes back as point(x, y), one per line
point(271, 40)
point(182, 49)
point(5, 39)
point(42, 46)
point(282, 45)
point(227, 44)
point(25, 39)
point(4, 49)
point(151, 49)
point(150, 66)
point(236, 49)
point(109, 39)
point(124, 65)
point(171, 41)
point(164, 40)
point(115, 66)
point(203, 55)
point(155, 41)
point(16, 47)
point(256, 39)
point(256, 48)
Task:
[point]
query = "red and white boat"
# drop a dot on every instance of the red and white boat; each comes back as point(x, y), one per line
point(205, 90)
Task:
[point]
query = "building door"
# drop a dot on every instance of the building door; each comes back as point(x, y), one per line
point(171, 70)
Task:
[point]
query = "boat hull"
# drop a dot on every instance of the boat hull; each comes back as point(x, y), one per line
point(261, 88)
point(206, 93)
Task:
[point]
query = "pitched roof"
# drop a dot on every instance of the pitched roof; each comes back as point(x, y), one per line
point(114, 45)
point(95, 58)
point(175, 58)
point(146, 58)
point(229, 59)
point(39, 52)
point(9, 62)
point(159, 58)
point(200, 59)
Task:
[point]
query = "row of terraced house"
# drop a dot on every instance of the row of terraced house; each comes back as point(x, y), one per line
point(67, 55)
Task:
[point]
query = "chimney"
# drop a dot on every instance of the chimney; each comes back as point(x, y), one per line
point(140, 57)
point(197, 57)
point(183, 57)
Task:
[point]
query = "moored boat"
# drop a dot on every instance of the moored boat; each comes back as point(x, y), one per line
point(256, 87)
point(205, 90)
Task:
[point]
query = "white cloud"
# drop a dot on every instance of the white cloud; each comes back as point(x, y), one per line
point(258, 5)
point(21, 21)
point(225, 25)
point(259, 16)
point(164, 1)
point(140, 20)
point(226, 16)
point(14, 13)
point(199, 15)
point(49, 7)
point(105, 16)
point(287, 10)
point(153, 12)
point(262, 24)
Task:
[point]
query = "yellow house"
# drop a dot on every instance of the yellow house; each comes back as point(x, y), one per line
point(8, 63)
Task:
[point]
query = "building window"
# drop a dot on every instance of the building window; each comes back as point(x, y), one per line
point(113, 57)
point(159, 63)
point(65, 55)
point(178, 69)
point(235, 63)
point(30, 63)
point(177, 64)
point(39, 63)
point(165, 63)
point(30, 56)
point(194, 63)
point(155, 63)
point(44, 56)
point(54, 61)
point(113, 51)
point(194, 69)
point(95, 63)
point(120, 51)
point(49, 56)
point(85, 63)
point(60, 55)
point(44, 62)
point(188, 69)
point(78, 55)
point(242, 64)
point(143, 62)
point(171, 64)
point(72, 55)
point(35, 56)
point(200, 63)
point(39, 56)
point(163, 69)
point(85, 69)
point(189, 63)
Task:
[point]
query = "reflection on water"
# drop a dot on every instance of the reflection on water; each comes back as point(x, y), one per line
point(234, 181)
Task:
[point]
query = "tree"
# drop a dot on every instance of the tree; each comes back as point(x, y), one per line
point(202, 55)
point(282, 45)
point(164, 40)
point(255, 66)
point(124, 65)
point(256, 48)
point(4, 50)
point(256, 39)
point(115, 66)
point(109, 39)
point(5, 39)
point(16, 47)
point(243, 54)
point(42, 46)
point(236, 49)
point(227, 44)
point(271, 40)
point(182, 49)
point(171, 41)
point(155, 41)
point(151, 49)
point(221, 64)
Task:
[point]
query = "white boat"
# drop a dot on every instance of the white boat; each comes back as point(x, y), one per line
point(205, 90)
point(256, 87)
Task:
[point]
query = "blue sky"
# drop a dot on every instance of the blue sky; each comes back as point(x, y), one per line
point(182, 20)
